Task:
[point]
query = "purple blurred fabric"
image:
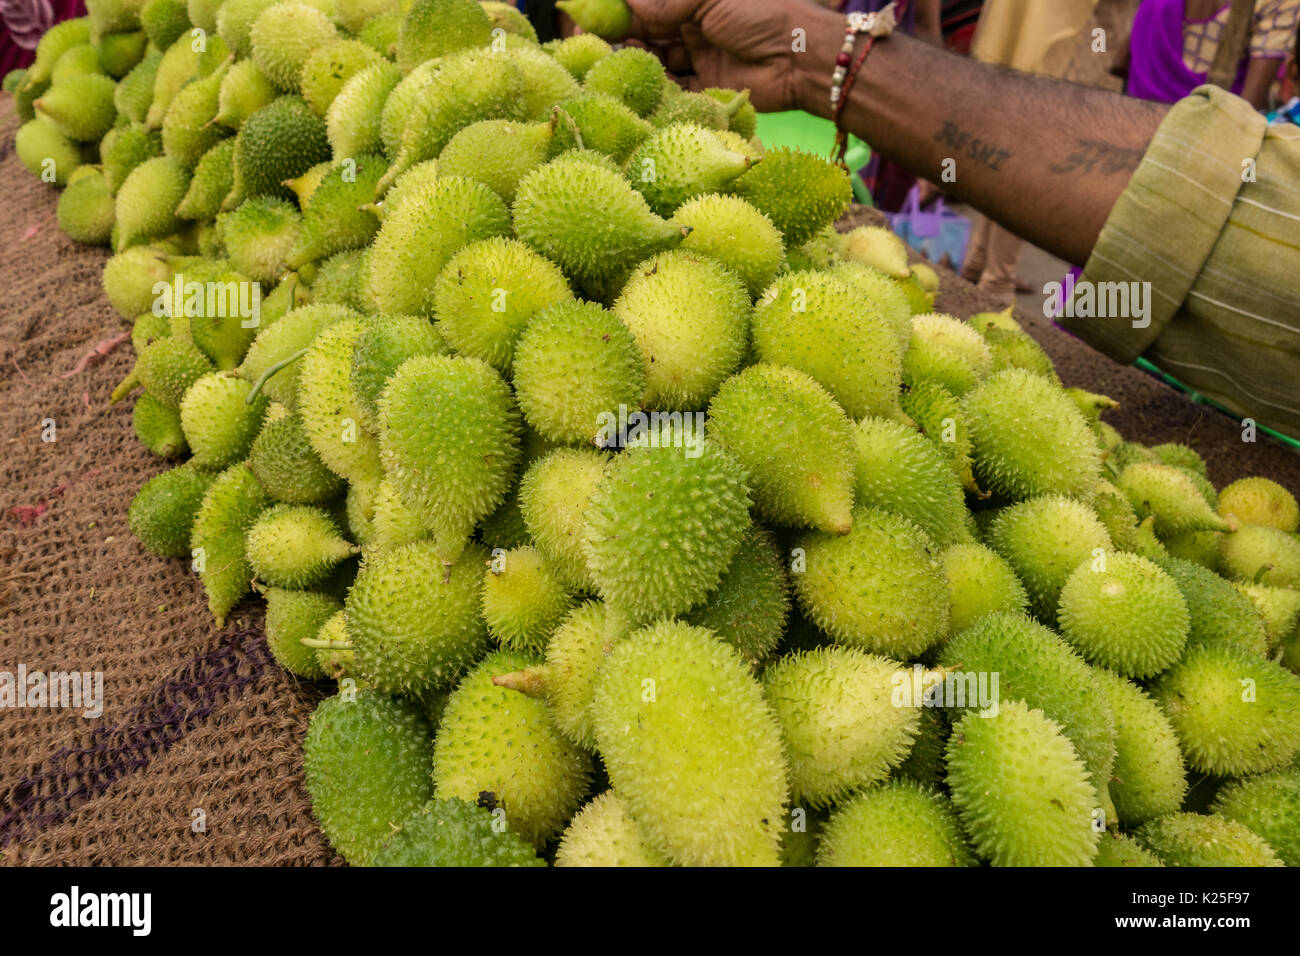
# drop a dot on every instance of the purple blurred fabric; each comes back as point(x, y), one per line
point(908, 18)
point(1157, 70)
point(23, 22)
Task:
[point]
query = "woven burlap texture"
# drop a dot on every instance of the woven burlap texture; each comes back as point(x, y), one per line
point(200, 725)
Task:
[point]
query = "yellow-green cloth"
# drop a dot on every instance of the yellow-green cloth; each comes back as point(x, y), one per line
point(1212, 220)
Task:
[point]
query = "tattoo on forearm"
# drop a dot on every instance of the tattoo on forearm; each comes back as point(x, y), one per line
point(1094, 155)
point(987, 154)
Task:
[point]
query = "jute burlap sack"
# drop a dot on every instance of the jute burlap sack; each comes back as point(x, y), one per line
point(196, 758)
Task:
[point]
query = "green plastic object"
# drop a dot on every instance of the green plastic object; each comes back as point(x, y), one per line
point(812, 134)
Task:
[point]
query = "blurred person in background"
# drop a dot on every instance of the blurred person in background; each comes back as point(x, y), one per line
point(1289, 112)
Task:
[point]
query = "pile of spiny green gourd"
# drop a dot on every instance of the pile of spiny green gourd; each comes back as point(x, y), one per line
point(641, 517)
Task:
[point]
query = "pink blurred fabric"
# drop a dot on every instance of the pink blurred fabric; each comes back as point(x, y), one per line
point(23, 22)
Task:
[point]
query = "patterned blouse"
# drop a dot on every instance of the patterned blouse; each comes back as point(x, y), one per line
point(1272, 36)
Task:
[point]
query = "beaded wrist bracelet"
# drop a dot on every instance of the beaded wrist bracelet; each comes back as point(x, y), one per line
point(876, 26)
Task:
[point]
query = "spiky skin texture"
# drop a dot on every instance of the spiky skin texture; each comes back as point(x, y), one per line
point(1279, 608)
point(413, 182)
point(899, 823)
point(244, 90)
point(284, 36)
point(1256, 554)
point(523, 601)
point(795, 442)
point(291, 616)
point(874, 286)
point(297, 330)
point(495, 740)
point(981, 583)
point(1200, 547)
point(1013, 349)
point(80, 107)
point(691, 747)
point(689, 315)
point(1020, 789)
point(1220, 614)
point(553, 497)
point(158, 427)
point(1260, 501)
point(454, 833)
point(1113, 508)
point(862, 588)
point(818, 324)
point(352, 122)
point(366, 762)
point(877, 247)
point(53, 43)
point(418, 238)
point(1192, 839)
point(328, 406)
point(661, 528)
point(1127, 615)
point(1171, 496)
point(578, 53)
point(295, 546)
point(1225, 726)
point(210, 184)
point(328, 68)
point(397, 106)
point(146, 202)
point(801, 193)
point(736, 234)
point(332, 220)
point(602, 122)
point(280, 141)
point(413, 623)
point(85, 210)
point(751, 605)
point(164, 21)
point(488, 293)
point(898, 470)
point(231, 505)
point(840, 725)
point(1044, 540)
point(234, 21)
point(589, 221)
point(1147, 779)
point(939, 417)
point(633, 76)
point(259, 235)
point(162, 511)
point(187, 130)
point(1020, 456)
point(1268, 805)
point(168, 367)
point(434, 28)
point(37, 142)
point(449, 440)
point(288, 468)
point(568, 679)
point(948, 351)
point(1036, 666)
point(124, 148)
point(682, 161)
point(497, 153)
point(603, 834)
point(218, 422)
point(1116, 849)
point(925, 762)
point(384, 344)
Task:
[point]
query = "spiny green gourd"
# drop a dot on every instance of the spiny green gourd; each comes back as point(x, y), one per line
point(283, 461)
point(353, 120)
point(898, 470)
point(86, 210)
point(134, 93)
point(1260, 501)
point(1199, 547)
point(1124, 613)
point(259, 235)
point(1019, 457)
point(939, 417)
point(146, 203)
point(328, 68)
point(1258, 554)
point(158, 427)
point(874, 286)
point(1234, 713)
point(576, 369)
point(418, 238)
point(633, 76)
point(213, 177)
point(366, 758)
point(523, 601)
point(1269, 805)
point(562, 206)
point(661, 528)
point(329, 408)
point(818, 324)
point(690, 318)
point(354, 15)
point(295, 546)
point(682, 161)
point(489, 292)
point(899, 823)
point(455, 833)
point(234, 21)
point(795, 442)
point(230, 506)
point(1279, 608)
point(244, 90)
point(751, 604)
point(980, 583)
point(1171, 496)
point(948, 351)
point(292, 615)
point(1118, 849)
point(553, 498)
point(166, 368)
point(1020, 789)
point(280, 141)
point(53, 43)
point(604, 834)
point(80, 107)
point(1219, 613)
point(385, 342)
point(736, 234)
point(284, 36)
point(124, 148)
point(162, 511)
point(874, 611)
point(219, 421)
point(1014, 349)
point(877, 247)
point(1147, 779)
point(578, 53)
point(495, 741)
point(1192, 839)
point(598, 122)
point(164, 21)
point(609, 19)
point(801, 193)
point(841, 724)
point(434, 28)
point(1044, 540)
point(120, 52)
point(450, 443)
point(279, 342)
point(188, 130)
point(702, 798)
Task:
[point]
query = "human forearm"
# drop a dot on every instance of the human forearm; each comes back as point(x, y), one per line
point(1046, 159)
